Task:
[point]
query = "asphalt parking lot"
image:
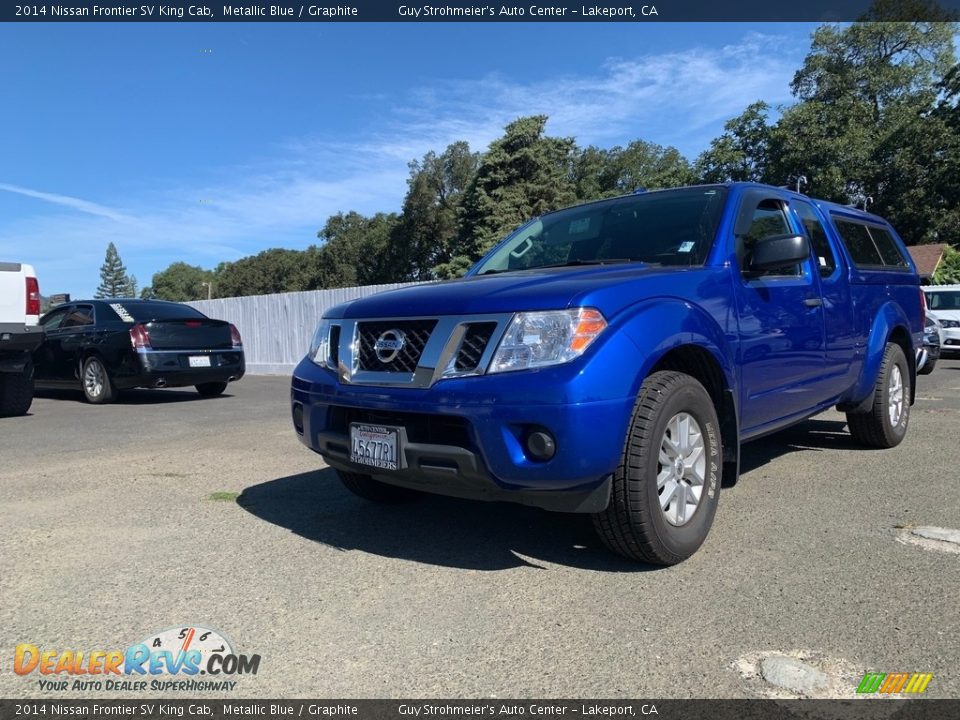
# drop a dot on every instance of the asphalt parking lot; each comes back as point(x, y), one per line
point(111, 533)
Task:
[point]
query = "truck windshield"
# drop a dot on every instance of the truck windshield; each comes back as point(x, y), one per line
point(667, 227)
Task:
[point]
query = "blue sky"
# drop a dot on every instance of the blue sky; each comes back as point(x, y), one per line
point(210, 142)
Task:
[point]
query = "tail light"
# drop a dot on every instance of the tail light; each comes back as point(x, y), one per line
point(33, 296)
point(235, 336)
point(139, 337)
point(923, 307)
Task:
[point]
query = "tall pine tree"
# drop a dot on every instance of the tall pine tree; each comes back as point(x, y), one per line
point(113, 276)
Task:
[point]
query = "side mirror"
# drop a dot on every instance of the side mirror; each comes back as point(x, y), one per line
point(779, 251)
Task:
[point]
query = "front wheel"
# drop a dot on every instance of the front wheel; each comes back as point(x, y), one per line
point(666, 489)
point(885, 424)
point(211, 389)
point(98, 388)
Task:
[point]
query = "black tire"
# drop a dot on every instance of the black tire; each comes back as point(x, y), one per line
point(875, 427)
point(375, 491)
point(928, 368)
point(211, 389)
point(99, 393)
point(634, 525)
point(16, 392)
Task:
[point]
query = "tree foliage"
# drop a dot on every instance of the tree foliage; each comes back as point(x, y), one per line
point(179, 283)
point(114, 281)
point(948, 271)
point(523, 174)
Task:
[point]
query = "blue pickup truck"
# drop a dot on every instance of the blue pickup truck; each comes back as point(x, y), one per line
point(611, 358)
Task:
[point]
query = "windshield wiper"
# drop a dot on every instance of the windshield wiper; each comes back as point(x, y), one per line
point(604, 261)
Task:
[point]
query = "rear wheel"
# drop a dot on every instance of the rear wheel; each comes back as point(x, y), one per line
point(98, 388)
point(375, 491)
point(16, 392)
point(885, 424)
point(211, 389)
point(666, 489)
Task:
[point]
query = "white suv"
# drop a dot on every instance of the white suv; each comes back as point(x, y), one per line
point(943, 302)
point(20, 335)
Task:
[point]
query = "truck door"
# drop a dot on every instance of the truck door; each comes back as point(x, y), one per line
point(782, 356)
point(840, 340)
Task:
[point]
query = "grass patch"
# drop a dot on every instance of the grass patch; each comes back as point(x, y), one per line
point(223, 496)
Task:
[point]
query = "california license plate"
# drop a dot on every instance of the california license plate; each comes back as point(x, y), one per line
point(199, 361)
point(375, 445)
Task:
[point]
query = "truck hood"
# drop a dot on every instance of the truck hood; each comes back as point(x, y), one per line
point(605, 287)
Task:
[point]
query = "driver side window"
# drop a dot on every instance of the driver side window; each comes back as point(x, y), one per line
point(767, 218)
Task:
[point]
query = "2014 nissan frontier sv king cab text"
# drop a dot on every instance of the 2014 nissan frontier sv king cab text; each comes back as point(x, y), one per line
point(610, 359)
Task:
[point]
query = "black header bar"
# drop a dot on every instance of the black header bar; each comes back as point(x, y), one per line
point(625, 11)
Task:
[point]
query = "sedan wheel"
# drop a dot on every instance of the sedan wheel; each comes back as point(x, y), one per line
point(97, 386)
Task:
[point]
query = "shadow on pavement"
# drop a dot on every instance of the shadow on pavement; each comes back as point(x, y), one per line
point(477, 535)
point(132, 397)
point(816, 435)
point(434, 530)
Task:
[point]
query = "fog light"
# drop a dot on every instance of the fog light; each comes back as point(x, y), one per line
point(298, 417)
point(541, 445)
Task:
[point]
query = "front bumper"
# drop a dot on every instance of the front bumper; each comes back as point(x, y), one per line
point(465, 438)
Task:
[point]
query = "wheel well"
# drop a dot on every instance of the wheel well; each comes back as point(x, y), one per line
point(698, 362)
point(901, 337)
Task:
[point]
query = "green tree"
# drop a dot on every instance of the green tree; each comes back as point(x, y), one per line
point(427, 228)
point(742, 152)
point(523, 174)
point(604, 173)
point(865, 124)
point(354, 251)
point(948, 271)
point(113, 275)
point(272, 271)
point(180, 282)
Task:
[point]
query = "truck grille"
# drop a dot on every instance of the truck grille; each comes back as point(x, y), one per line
point(474, 343)
point(415, 334)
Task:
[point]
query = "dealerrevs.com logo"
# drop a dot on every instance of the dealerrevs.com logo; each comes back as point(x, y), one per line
point(173, 659)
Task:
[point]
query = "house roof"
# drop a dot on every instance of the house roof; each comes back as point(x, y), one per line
point(927, 257)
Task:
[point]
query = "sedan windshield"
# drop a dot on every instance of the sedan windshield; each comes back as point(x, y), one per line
point(668, 227)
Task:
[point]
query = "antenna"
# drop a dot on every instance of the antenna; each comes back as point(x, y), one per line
point(801, 181)
point(867, 200)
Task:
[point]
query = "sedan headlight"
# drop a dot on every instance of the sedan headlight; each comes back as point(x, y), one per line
point(320, 345)
point(950, 323)
point(539, 339)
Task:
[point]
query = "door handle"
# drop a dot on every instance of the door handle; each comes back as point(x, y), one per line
point(813, 302)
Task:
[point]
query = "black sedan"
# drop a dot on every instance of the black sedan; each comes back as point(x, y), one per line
point(104, 346)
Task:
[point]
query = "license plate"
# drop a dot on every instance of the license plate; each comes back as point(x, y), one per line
point(199, 361)
point(375, 445)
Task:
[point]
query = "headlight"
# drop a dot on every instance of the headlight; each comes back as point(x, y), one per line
point(950, 323)
point(320, 345)
point(538, 339)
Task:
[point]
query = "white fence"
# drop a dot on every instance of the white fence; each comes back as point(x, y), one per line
point(276, 329)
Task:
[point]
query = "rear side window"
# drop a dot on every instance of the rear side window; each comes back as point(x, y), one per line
point(889, 250)
point(870, 246)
